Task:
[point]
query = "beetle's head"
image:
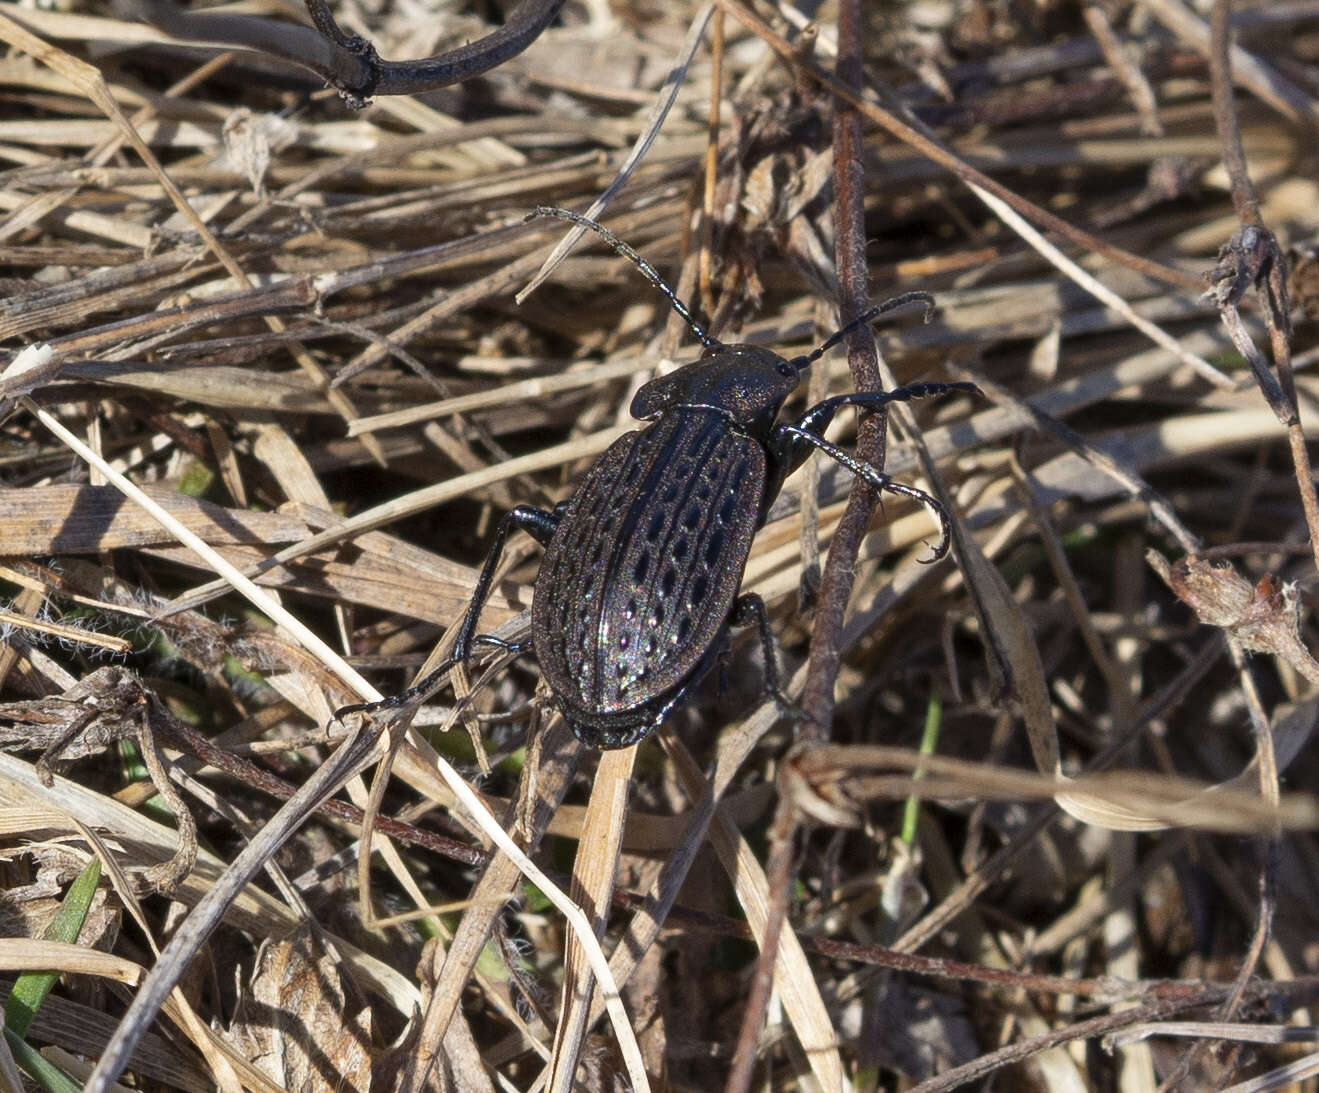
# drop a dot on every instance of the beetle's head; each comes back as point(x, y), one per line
point(747, 382)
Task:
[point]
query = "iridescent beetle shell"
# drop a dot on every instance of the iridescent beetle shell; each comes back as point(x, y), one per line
point(641, 576)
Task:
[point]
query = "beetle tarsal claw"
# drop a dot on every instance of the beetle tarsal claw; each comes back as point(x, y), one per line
point(937, 553)
point(337, 718)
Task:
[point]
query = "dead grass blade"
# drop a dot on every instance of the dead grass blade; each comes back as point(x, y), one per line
point(793, 979)
point(353, 755)
point(202, 244)
point(663, 104)
point(547, 782)
point(594, 871)
point(840, 777)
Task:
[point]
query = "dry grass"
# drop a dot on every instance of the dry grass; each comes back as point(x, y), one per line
point(1100, 844)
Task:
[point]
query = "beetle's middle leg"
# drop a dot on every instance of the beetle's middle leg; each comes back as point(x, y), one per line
point(749, 609)
point(537, 523)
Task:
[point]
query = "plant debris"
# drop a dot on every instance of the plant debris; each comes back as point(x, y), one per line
point(267, 392)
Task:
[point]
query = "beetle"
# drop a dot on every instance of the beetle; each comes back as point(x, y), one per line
point(643, 564)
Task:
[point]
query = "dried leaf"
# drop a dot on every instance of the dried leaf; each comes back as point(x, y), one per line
point(295, 1024)
point(1262, 618)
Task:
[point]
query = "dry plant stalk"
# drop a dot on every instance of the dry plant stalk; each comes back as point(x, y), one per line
point(281, 338)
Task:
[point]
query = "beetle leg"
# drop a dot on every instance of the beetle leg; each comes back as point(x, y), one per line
point(419, 690)
point(878, 481)
point(722, 658)
point(540, 525)
point(749, 609)
point(404, 698)
point(593, 736)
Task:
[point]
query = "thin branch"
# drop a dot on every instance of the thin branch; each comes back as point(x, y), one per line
point(1253, 259)
point(839, 570)
point(1225, 115)
point(345, 61)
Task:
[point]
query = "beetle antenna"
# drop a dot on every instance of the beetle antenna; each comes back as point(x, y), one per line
point(645, 267)
point(863, 319)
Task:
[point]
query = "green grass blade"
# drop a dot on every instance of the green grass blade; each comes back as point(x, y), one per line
point(31, 988)
point(45, 1073)
point(929, 740)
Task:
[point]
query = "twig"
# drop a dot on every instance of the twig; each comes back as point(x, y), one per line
point(1252, 258)
point(836, 580)
point(1284, 96)
point(1082, 1030)
point(346, 62)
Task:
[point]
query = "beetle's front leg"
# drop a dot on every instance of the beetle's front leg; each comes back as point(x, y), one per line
point(791, 444)
point(787, 435)
point(540, 525)
point(792, 449)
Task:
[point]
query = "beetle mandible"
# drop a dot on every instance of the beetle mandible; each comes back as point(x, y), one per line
point(639, 583)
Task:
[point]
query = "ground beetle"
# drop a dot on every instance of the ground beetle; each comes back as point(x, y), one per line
point(642, 566)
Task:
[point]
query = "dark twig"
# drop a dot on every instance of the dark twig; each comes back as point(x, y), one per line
point(853, 280)
point(346, 62)
point(839, 570)
point(1093, 1028)
point(1225, 115)
point(1253, 259)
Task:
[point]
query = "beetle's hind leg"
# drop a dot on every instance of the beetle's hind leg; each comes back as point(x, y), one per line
point(748, 610)
point(537, 523)
point(419, 691)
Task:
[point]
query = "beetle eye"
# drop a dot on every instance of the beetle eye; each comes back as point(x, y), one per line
point(785, 368)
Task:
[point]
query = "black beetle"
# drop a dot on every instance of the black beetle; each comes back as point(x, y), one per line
point(642, 566)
